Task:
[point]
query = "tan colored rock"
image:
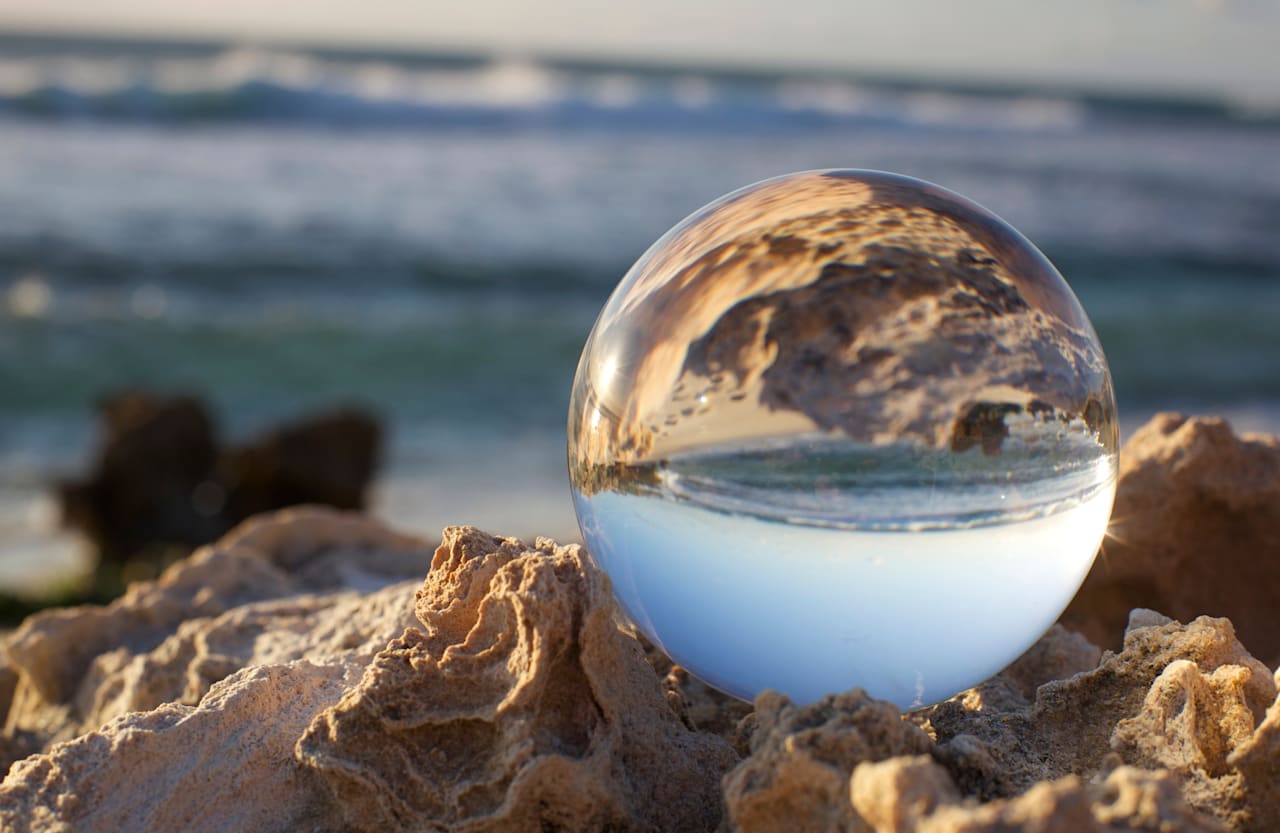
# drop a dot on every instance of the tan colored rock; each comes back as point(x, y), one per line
point(914, 795)
point(703, 708)
point(699, 706)
point(981, 731)
point(1257, 760)
point(895, 795)
point(1190, 719)
point(73, 669)
point(224, 766)
point(522, 707)
point(203, 651)
point(1179, 698)
point(532, 683)
point(797, 776)
point(1057, 655)
point(1128, 800)
point(1195, 531)
point(1077, 717)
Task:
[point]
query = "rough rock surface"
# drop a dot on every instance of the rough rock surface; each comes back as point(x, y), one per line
point(698, 705)
point(1184, 699)
point(521, 706)
point(223, 766)
point(914, 795)
point(289, 678)
point(797, 776)
point(273, 590)
point(1195, 530)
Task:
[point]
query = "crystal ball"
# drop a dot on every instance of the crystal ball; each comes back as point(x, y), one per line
point(843, 429)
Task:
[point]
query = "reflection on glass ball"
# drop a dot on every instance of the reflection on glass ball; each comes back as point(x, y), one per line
point(843, 428)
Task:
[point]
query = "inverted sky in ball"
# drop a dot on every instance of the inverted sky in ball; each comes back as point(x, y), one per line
point(843, 428)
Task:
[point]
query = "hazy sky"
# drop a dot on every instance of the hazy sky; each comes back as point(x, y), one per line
point(1230, 46)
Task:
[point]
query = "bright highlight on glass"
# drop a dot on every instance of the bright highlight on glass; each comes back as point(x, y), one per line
point(843, 428)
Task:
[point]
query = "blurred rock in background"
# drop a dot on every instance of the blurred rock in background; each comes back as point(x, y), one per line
point(161, 484)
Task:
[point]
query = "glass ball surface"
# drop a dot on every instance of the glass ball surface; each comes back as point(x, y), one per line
point(843, 429)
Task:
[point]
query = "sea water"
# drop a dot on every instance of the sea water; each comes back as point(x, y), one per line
point(930, 588)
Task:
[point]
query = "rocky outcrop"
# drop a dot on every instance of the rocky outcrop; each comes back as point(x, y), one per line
point(311, 583)
point(796, 777)
point(301, 675)
point(327, 458)
point(519, 706)
point(914, 795)
point(1195, 530)
point(161, 480)
point(153, 454)
point(512, 702)
point(225, 765)
point(1187, 700)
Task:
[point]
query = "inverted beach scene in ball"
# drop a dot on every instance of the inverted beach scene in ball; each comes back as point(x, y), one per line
point(843, 429)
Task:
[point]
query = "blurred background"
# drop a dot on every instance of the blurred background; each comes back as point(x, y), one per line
point(418, 209)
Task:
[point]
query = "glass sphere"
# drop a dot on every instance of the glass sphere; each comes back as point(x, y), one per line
point(843, 429)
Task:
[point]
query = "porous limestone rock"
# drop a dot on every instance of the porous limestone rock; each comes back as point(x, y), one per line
point(797, 776)
point(278, 588)
point(914, 795)
point(1057, 655)
point(1257, 760)
point(1180, 698)
point(520, 706)
point(1122, 685)
point(894, 795)
point(1127, 800)
point(1195, 531)
point(704, 708)
point(223, 766)
point(203, 651)
point(699, 706)
point(280, 680)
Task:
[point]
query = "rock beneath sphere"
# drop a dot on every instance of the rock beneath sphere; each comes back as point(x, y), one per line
point(301, 675)
point(519, 706)
point(796, 777)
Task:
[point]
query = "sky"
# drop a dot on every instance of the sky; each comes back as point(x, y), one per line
point(1179, 46)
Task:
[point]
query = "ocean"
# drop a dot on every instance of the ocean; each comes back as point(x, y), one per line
point(432, 235)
